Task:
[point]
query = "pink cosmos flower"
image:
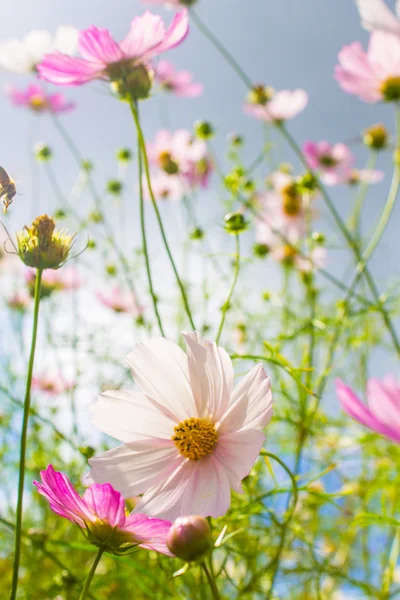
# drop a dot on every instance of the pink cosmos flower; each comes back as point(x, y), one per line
point(333, 161)
point(382, 413)
point(374, 75)
point(103, 58)
point(101, 515)
point(376, 15)
point(120, 301)
point(179, 82)
point(189, 436)
point(165, 187)
point(369, 176)
point(36, 99)
point(278, 106)
point(179, 153)
point(60, 280)
point(52, 384)
point(19, 301)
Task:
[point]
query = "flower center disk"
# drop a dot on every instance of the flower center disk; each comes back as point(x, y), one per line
point(195, 438)
point(390, 89)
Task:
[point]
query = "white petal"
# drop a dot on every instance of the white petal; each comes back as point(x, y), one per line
point(38, 42)
point(211, 376)
point(251, 403)
point(134, 468)
point(375, 14)
point(237, 453)
point(14, 57)
point(160, 369)
point(66, 39)
point(129, 416)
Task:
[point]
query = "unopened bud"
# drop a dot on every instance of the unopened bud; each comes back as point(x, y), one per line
point(376, 137)
point(114, 187)
point(260, 250)
point(43, 152)
point(196, 234)
point(318, 237)
point(42, 246)
point(235, 223)
point(87, 165)
point(307, 183)
point(204, 130)
point(190, 538)
point(124, 155)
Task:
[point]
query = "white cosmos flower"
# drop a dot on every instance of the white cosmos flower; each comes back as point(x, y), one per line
point(22, 56)
point(189, 436)
point(375, 14)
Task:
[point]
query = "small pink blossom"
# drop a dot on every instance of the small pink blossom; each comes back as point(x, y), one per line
point(19, 301)
point(60, 280)
point(381, 413)
point(35, 98)
point(334, 162)
point(52, 384)
point(103, 58)
point(120, 301)
point(280, 106)
point(165, 187)
point(178, 82)
point(369, 176)
point(189, 435)
point(374, 75)
point(375, 15)
point(101, 514)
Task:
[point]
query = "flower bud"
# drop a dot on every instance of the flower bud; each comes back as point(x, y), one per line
point(236, 140)
point(376, 137)
point(318, 238)
point(124, 155)
point(307, 183)
point(42, 152)
point(42, 246)
point(261, 250)
point(196, 234)
point(190, 538)
point(114, 187)
point(87, 165)
point(204, 130)
point(235, 223)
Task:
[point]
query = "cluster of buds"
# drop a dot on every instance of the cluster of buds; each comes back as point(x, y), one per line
point(42, 246)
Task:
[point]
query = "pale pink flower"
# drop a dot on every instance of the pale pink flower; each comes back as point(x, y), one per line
point(19, 301)
point(376, 15)
point(179, 82)
point(369, 176)
point(52, 384)
point(165, 187)
point(374, 75)
point(101, 514)
point(103, 58)
point(316, 260)
point(54, 280)
point(120, 301)
point(35, 98)
point(334, 162)
point(281, 106)
point(188, 436)
point(381, 413)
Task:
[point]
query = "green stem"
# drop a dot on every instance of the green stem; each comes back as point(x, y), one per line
point(226, 305)
point(142, 146)
point(92, 571)
point(211, 581)
point(144, 241)
point(354, 221)
point(24, 431)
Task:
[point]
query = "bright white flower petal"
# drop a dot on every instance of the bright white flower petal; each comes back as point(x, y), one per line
point(38, 42)
point(14, 57)
point(66, 39)
point(160, 369)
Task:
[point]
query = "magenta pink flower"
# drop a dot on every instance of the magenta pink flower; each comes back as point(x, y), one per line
point(103, 58)
point(277, 106)
point(188, 436)
point(120, 301)
point(101, 515)
point(38, 100)
point(376, 15)
point(334, 162)
point(179, 82)
point(373, 76)
point(382, 413)
point(52, 384)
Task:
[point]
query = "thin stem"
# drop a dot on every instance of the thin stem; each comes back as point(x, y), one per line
point(144, 241)
point(211, 582)
point(24, 431)
point(142, 146)
point(354, 221)
point(92, 571)
point(226, 305)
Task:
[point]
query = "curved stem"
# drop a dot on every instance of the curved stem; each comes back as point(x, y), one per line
point(142, 145)
point(92, 571)
point(232, 289)
point(24, 432)
point(211, 581)
point(144, 241)
point(354, 221)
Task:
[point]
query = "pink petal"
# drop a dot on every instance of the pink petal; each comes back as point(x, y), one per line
point(63, 498)
point(134, 468)
point(129, 416)
point(384, 54)
point(237, 452)
point(64, 70)
point(152, 532)
point(106, 503)
point(146, 32)
point(384, 402)
point(251, 403)
point(160, 369)
point(175, 34)
point(211, 376)
point(98, 46)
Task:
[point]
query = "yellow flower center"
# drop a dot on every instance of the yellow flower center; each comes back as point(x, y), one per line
point(38, 103)
point(167, 163)
point(195, 438)
point(292, 202)
point(390, 89)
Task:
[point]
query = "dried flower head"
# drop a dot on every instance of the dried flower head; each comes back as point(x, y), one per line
point(42, 246)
